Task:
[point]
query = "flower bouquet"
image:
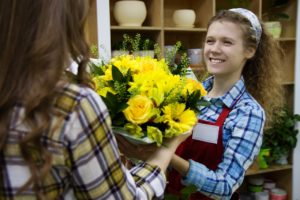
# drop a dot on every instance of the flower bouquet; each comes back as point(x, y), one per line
point(146, 100)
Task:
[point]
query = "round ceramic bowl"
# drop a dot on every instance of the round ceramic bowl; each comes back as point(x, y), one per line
point(184, 18)
point(130, 13)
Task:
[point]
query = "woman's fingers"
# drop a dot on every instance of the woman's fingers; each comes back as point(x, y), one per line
point(141, 152)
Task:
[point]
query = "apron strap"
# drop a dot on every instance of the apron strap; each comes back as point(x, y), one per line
point(225, 112)
point(223, 115)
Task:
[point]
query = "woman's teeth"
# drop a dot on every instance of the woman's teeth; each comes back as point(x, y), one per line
point(214, 61)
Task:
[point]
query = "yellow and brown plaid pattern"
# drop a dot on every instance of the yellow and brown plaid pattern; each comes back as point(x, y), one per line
point(86, 160)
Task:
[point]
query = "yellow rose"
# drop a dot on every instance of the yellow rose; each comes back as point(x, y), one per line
point(139, 110)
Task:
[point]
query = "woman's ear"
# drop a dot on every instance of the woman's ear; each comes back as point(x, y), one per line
point(250, 52)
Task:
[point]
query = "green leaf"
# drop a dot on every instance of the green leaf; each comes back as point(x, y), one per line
point(194, 101)
point(171, 197)
point(188, 191)
point(111, 102)
point(121, 107)
point(95, 69)
point(281, 136)
point(128, 76)
point(120, 120)
point(115, 107)
point(117, 75)
point(111, 84)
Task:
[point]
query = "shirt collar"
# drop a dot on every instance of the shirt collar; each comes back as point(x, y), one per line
point(230, 97)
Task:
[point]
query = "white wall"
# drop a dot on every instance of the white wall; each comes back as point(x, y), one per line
point(103, 29)
point(296, 156)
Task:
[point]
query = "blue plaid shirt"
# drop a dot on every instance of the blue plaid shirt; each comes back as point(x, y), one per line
point(242, 138)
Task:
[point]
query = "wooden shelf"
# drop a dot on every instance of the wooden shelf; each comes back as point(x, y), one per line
point(273, 168)
point(136, 28)
point(288, 83)
point(292, 39)
point(185, 29)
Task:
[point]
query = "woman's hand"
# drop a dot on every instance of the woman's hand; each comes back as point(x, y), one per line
point(144, 151)
point(176, 141)
point(160, 156)
point(141, 152)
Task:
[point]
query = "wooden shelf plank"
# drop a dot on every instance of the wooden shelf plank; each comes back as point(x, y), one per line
point(272, 168)
point(286, 83)
point(136, 28)
point(287, 39)
point(185, 29)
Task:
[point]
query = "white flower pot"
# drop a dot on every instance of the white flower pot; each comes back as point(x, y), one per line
point(149, 53)
point(283, 160)
point(195, 56)
point(116, 53)
point(130, 12)
point(184, 18)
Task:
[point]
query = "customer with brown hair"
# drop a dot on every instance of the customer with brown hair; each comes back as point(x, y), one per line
point(56, 139)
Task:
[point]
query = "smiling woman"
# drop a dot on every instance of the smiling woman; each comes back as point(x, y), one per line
point(224, 51)
point(243, 61)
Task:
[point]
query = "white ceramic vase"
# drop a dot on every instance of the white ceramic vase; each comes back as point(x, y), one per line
point(149, 53)
point(283, 160)
point(184, 18)
point(116, 53)
point(130, 12)
point(195, 56)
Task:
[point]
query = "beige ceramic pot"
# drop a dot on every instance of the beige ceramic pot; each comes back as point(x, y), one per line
point(184, 18)
point(130, 12)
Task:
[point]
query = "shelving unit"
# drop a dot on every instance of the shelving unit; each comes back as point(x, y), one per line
point(270, 169)
point(159, 27)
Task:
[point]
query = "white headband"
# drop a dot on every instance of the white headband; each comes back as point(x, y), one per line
point(252, 19)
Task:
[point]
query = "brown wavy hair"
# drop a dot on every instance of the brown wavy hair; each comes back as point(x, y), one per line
point(261, 72)
point(38, 39)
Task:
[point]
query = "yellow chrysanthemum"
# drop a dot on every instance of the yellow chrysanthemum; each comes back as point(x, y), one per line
point(100, 86)
point(178, 119)
point(134, 129)
point(157, 94)
point(108, 74)
point(97, 82)
point(193, 85)
point(147, 64)
point(126, 62)
point(145, 82)
point(103, 91)
point(155, 134)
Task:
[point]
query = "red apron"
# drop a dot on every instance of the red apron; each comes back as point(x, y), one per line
point(208, 154)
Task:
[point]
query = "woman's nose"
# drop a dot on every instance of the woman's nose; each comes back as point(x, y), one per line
point(216, 47)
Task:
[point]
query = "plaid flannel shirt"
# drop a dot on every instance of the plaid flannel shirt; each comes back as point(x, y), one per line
point(86, 160)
